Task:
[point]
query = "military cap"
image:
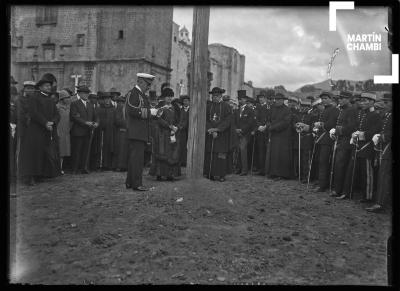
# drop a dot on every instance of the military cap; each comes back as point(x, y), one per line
point(387, 97)
point(345, 94)
point(43, 81)
point(368, 95)
point(83, 89)
point(325, 93)
point(63, 94)
point(145, 76)
point(29, 83)
point(217, 90)
point(294, 99)
point(93, 96)
point(12, 80)
point(379, 105)
point(226, 98)
point(280, 96)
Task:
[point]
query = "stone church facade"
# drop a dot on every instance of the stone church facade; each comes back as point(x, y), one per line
point(104, 46)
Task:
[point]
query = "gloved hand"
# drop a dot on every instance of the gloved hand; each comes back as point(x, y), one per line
point(332, 133)
point(13, 126)
point(376, 138)
point(361, 135)
point(153, 111)
point(215, 134)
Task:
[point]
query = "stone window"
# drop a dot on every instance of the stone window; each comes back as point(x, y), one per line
point(46, 15)
point(49, 52)
point(120, 34)
point(80, 39)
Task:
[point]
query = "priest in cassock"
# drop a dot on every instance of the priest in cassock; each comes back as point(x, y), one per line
point(165, 142)
point(183, 128)
point(39, 157)
point(106, 113)
point(279, 157)
point(218, 121)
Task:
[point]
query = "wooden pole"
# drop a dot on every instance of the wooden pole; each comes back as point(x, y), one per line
point(198, 93)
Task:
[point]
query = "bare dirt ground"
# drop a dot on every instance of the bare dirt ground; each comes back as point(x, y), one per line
point(89, 229)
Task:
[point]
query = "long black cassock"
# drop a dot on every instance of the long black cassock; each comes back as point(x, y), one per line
point(107, 118)
point(279, 162)
point(120, 158)
point(218, 116)
point(38, 158)
point(166, 145)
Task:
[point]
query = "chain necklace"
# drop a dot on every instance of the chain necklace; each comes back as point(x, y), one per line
point(386, 121)
point(361, 118)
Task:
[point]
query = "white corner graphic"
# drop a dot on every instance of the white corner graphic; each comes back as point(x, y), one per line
point(394, 78)
point(337, 5)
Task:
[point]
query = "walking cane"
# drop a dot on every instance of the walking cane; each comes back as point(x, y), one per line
point(252, 155)
point(299, 159)
point(332, 165)
point(310, 165)
point(89, 150)
point(354, 168)
point(101, 150)
point(211, 156)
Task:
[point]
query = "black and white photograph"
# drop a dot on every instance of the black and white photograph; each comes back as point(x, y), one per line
point(202, 145)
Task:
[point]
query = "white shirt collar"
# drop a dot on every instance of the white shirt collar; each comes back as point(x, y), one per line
point(77, 96)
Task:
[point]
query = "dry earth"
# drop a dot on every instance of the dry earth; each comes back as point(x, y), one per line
point(89, 229)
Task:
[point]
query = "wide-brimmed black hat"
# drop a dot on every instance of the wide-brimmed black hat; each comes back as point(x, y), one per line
point(103, 95)
point(242, 94)
point(345, 94)
point(83, 89)
point(43, 81)
point(114, 92)
point(217, 90)
point(93, 96)
point(152, 95)
point(184, 97)
point(167, 92)
point(280, 96)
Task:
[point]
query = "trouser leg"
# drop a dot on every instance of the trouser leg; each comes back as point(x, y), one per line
point(243, 153)
point(135, 165)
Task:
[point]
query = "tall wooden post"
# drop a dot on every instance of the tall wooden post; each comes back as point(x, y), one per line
point(198, 92)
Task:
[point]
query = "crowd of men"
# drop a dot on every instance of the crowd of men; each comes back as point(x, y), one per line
point(337, 142)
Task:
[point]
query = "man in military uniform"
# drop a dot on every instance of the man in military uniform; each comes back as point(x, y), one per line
point(245, 123)
point(383, 142)
point(137, 113)
point(341, 134)
point(217, 136)
point(326, 121)
point(84, 121)
point(368, 124)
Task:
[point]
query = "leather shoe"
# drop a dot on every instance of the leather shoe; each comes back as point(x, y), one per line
point(334, 194)
point(222, 179)
point(375, 208)
point(140, 188)
point(170, 178)
point(128, 186)
point(243, 174)
point(319, 189)
point(85, 171)
point(364, 200)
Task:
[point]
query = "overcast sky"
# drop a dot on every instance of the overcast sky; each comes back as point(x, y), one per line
point(293, 46)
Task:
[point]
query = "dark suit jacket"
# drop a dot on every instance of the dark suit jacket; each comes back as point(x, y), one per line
point(137, 127)
point(246, 121)
point(79, 114)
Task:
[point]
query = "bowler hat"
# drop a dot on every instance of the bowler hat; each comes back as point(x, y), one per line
point(114, 92)
point(103, 95)
point(184, 97)
point(83, 89)
point(93, 96)
point(167, 92)
point(217, 90)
